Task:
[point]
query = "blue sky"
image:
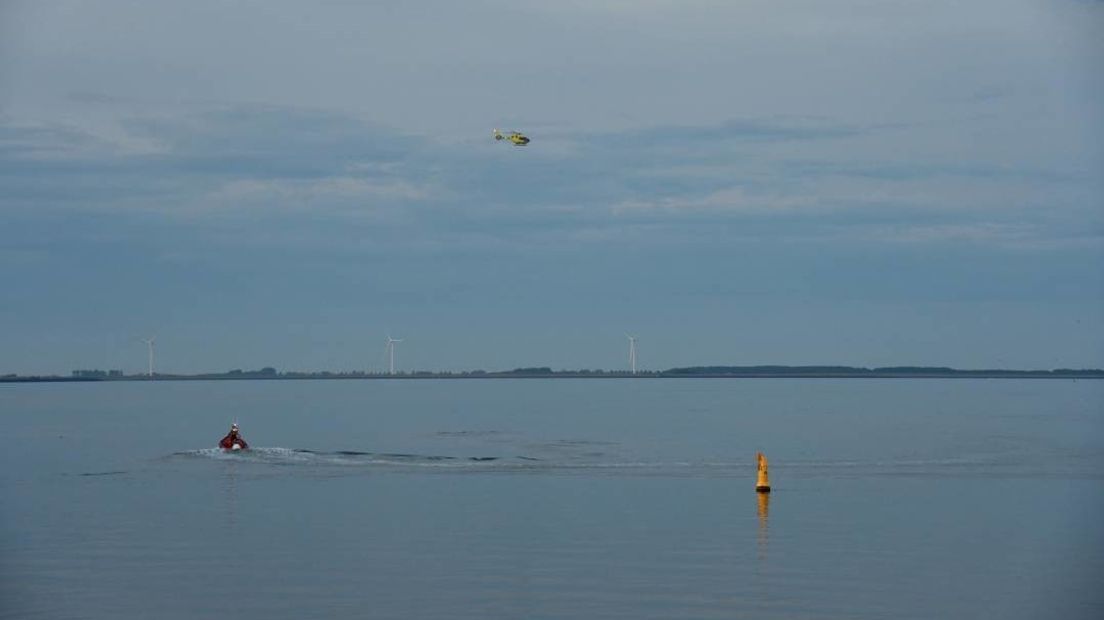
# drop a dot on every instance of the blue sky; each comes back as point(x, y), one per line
point(284, 183)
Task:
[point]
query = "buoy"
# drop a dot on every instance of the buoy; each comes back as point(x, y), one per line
point(762, 483)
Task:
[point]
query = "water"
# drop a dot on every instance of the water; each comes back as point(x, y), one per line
point(554, 499)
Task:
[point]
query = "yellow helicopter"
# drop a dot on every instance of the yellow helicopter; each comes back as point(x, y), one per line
point(513, 136)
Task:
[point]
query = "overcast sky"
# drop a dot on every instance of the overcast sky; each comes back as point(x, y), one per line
point(283, 184)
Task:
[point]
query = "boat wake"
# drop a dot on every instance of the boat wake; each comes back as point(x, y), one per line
point(400, 461)
point(618, 465)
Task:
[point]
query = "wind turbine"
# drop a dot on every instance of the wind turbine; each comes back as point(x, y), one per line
point(149, 343)
point(632, 353)
point(391, 352)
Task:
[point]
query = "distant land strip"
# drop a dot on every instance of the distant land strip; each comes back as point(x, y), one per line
point(544, 372)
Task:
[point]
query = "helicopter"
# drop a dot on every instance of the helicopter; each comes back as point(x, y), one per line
point(514, 136)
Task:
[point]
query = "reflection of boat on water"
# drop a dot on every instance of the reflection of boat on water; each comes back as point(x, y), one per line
point(762, 535)
point(764, 516)
point(764, 510)
point(762, 493)
point(230, 494)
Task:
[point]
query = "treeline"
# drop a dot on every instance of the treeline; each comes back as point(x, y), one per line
point(884, 371)
point(269, 372)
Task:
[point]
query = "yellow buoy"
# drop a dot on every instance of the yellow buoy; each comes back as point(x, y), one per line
point(762, 483)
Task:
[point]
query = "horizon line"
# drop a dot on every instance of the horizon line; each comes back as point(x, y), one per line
point(758, 370)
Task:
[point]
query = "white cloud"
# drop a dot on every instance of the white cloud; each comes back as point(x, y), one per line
point(339, 195)
point(1009, 236)
point(730, 199)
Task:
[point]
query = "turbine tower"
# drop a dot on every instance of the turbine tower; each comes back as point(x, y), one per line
point(391, 352)
point(149, 344)
point(632, 353)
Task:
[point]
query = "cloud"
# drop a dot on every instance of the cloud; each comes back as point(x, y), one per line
point(41, 142)
point(272, 141)
point(746, 130)
point(686, 157)
point(252, 154)
point(345, 195)
point(732, 199)
point(781, 177)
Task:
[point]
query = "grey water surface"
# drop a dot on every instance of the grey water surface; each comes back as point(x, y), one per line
point(554, 498)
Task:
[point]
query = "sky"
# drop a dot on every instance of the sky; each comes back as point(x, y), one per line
point(277, 183)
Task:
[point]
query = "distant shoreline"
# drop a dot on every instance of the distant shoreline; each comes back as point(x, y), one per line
point(696, 372)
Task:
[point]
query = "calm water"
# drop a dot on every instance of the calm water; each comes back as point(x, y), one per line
point(554, 499)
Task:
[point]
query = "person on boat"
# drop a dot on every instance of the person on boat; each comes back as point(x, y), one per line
point(233, 437)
